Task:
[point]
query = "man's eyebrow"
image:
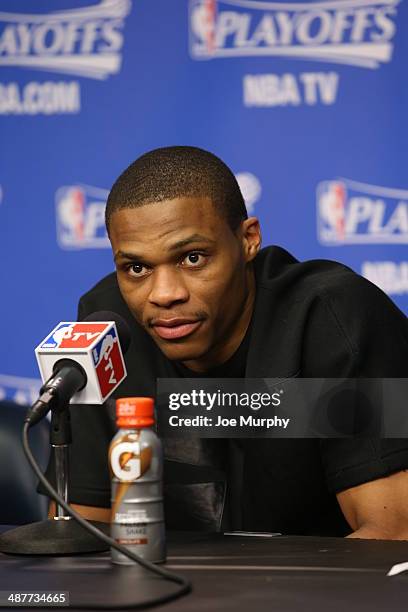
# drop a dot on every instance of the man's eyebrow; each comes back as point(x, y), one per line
point(186, 241)
point(174, 247)
point(123, 255)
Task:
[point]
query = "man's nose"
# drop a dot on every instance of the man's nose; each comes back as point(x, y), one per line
point(168, 287)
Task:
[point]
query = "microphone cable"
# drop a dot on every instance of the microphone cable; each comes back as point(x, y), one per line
point(185, 585)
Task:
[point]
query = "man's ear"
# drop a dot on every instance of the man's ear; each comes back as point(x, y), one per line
point(251, 237)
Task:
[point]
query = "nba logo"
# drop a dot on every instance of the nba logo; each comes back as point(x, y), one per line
point(53, 341)
point(202, 31)
point(80, 212)
point(331, 213)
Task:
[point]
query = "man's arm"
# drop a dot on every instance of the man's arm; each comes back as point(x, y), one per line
point(92, 513)
point(378, 509)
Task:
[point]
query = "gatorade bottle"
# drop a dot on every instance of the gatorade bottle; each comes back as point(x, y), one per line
point(136, 464)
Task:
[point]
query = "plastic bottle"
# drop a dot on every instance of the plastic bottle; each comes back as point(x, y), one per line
point(136, 464)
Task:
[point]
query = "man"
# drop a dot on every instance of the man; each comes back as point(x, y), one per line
point(203, 300)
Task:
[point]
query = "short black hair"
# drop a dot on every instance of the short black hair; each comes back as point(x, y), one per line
point(172, 172)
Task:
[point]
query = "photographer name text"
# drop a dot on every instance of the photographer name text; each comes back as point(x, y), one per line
point(220, 421)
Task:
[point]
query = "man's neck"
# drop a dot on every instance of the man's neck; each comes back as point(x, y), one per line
point(226, 347)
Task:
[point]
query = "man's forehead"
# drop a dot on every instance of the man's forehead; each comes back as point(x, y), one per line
point(162, 218)
point(169, 226)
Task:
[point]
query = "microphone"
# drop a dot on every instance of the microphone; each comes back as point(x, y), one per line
point(81, 362)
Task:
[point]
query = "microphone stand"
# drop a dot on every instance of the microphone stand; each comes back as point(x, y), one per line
point(60, 535)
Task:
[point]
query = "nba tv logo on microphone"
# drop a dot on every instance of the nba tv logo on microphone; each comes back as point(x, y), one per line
point(95, 346)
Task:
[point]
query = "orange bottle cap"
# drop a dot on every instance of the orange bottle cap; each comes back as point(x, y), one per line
point(135, 412)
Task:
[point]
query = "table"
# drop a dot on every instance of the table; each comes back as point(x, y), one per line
point(234, 574)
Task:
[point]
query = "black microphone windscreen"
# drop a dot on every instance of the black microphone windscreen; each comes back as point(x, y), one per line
point(121, 325)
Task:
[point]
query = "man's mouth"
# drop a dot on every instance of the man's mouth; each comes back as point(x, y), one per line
point(172, 329)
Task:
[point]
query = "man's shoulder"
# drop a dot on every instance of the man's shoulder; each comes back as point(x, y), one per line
point(312, 292)
point(323, 279)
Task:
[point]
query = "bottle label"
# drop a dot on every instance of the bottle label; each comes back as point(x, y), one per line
point(137, 519)
point(130, 535)
point(127, 460)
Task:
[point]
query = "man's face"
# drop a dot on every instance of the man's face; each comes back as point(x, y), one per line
point(183, 274)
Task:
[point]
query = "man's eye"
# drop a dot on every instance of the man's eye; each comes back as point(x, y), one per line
point(193, 260)
point(136, 269)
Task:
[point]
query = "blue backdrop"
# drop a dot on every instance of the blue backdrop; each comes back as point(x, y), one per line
point(305, 101)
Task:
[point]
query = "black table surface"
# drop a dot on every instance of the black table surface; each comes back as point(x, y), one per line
point(232, 573)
